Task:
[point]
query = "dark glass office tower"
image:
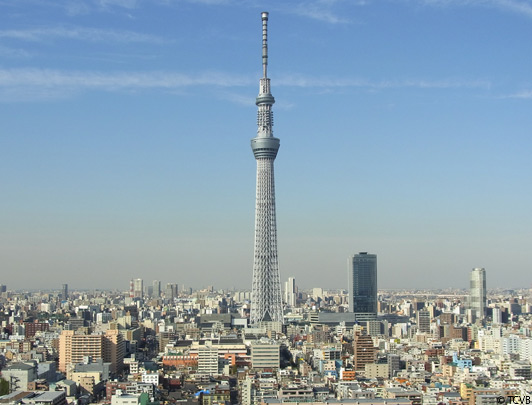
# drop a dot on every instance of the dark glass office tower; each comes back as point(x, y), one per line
point(362, 275)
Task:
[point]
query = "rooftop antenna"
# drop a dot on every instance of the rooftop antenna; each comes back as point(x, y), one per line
point(265, 44)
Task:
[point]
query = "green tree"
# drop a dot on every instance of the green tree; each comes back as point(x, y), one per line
point(4, 387)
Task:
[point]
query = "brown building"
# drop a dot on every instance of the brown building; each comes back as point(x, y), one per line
point(363, 351)
point(74, 347)
point(459, 332)
point(433, 354)
point(494, 393)
point(447, 318)
point(38, 385)
point(413, 396)
point(180, 360)
point(31, 328)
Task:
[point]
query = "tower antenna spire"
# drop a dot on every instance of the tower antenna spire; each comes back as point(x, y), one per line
point(265, 44)
point(266, 304)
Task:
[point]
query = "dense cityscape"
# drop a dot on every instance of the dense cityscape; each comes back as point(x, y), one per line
point(163, 343)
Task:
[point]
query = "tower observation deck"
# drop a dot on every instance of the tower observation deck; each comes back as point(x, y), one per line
point(266, 302)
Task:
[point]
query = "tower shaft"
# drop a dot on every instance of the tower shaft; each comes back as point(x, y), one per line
point(266, 305)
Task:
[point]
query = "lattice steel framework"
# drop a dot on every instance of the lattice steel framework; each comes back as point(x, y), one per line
point(266, 304)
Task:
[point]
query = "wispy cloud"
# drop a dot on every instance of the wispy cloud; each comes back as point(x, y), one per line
point(524, 94)
point(129, 4)
point(327, 82)
point(112, 81)
point(13, 53)
point(71, 7)
point(56, 83)
point(318, 13)
point(211, 2)
point(245, 100)
point(81, 34)
point(321, 10)
point(76, 7)
point(523, 7)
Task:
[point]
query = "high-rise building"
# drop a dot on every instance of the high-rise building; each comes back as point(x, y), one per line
point(423, 321)
point(31, 328)
point(108, 346)
point(156, 292)
point(138, 288)
point(265, 355)
point(363, 351)
point(64, 292)
point(394, 363)
point(477, 292)
point(362, 278)
point(497, 316)
point(375, 328)
point(290, 292)
point(266, 304)
point(208, 359)
point(170, 291)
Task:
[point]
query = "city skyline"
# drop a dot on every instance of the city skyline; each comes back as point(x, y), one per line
point(124, 128)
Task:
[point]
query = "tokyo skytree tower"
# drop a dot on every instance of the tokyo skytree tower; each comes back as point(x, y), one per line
point(266, 304)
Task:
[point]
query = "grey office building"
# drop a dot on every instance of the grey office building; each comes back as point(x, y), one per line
point(64, 292)
point(362, 276)
point(477, 292)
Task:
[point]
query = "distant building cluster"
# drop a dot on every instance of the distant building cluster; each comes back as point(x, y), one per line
point(165, 344)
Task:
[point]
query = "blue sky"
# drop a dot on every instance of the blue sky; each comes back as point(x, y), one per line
point(405, 130)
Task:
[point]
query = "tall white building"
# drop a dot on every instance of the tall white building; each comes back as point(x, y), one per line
point(138, 288)
point(290, 292)
point(265, 355)
point(208, 359)
point(477, 292)
point(510, 344)
point(497, 316)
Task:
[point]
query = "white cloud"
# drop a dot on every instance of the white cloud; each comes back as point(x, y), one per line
point(318, 13)
point(71, 7)
point(129, 4)
point(524, 94)
point(206, 2)
point(327, 82)
point(55, 79)
point(523, 7)
point(82, 34)
point(211, 2)
point(56, 83)
point(76, 7)
point(13, 53)
point(245, 100)
point(321, 10)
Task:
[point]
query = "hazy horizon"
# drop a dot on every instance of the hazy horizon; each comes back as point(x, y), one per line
point(404, 126)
